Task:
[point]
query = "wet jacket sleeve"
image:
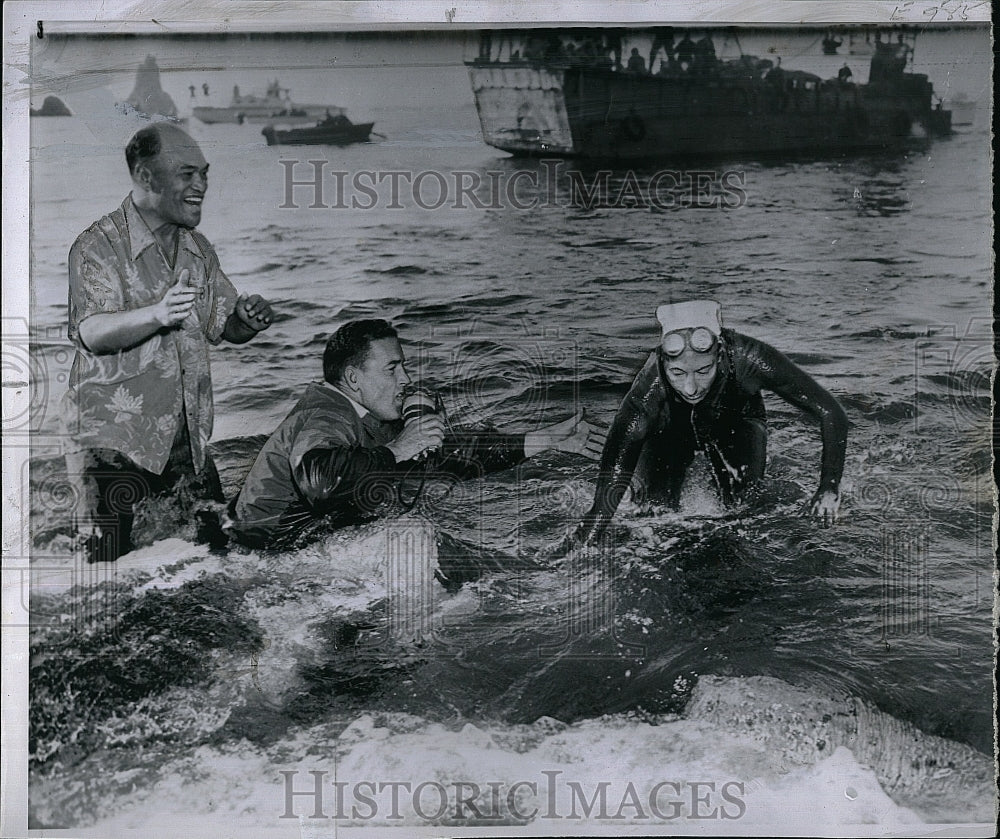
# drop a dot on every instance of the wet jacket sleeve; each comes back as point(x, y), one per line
point(331, 476)
point(764, 366)
point(641, 409)
point(472, 454)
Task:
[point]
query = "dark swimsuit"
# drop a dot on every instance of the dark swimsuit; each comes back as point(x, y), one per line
point(656, 433)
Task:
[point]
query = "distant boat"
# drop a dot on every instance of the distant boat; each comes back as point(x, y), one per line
point(53, 106)
point(148, 99)
point(963, 110)
point(857, 46)
point(540, 97)
point(274, 105)
point(333, 130)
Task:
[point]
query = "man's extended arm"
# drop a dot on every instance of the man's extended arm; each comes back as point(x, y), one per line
point(472, 454)
point(469, 454)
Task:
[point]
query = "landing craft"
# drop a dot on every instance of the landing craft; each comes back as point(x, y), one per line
point(567, 92)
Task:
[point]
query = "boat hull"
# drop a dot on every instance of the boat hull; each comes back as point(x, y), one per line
point(532, 109)
point(963, 112)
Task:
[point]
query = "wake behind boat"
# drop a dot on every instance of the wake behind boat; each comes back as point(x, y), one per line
point(332, 130)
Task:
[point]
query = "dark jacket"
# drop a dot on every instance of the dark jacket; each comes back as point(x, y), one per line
point(326, 461)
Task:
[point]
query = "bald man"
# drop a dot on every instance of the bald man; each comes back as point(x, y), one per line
point(146, 298)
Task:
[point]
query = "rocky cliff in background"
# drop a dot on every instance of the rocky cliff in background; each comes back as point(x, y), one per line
point(148, 98)
point(53, 106)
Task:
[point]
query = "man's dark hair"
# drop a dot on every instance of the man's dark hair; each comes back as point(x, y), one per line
point(350, 345)
point(143, 147)
point(147, 143)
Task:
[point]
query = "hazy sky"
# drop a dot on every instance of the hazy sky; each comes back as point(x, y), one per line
point(366, 72)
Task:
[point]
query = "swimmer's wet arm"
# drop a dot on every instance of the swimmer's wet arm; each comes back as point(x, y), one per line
point(641, 407)
point(776, 372)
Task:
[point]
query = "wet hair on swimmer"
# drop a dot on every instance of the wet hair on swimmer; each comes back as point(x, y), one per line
point(350, 345)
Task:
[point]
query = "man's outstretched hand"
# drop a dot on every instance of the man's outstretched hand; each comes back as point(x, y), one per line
point(574, 435)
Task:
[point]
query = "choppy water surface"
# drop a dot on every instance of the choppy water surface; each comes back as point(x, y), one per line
point(873, 273)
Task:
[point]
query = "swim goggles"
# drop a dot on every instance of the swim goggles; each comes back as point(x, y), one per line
point(699, 339)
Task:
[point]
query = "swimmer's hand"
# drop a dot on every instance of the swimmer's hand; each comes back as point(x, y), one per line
point(575, 435)
point(825, 505)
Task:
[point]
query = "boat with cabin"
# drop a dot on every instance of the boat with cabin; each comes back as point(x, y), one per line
point(566, 92)
point(332, 130)
point(274, 104)
point(963, 110)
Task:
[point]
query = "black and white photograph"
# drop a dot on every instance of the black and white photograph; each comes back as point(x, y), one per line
point(498, 419)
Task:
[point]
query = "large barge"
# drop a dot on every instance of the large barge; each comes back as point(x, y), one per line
point(569, 93)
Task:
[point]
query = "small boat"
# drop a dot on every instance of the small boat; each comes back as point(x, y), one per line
point(963, 110)
point(831, 45)
point(274, 104)
point(332, 130)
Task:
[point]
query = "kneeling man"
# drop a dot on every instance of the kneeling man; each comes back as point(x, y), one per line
point(344, 447)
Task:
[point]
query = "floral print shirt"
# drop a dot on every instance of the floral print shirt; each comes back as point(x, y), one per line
point(131, 400)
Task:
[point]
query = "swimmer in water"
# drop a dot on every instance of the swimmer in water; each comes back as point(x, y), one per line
point(700, 390)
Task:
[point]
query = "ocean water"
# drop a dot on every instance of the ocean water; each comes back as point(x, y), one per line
point(180, 674)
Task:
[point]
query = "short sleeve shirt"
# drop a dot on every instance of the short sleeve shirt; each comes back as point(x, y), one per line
point(132, 400)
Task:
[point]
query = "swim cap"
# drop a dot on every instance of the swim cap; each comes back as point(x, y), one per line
point(692, 314)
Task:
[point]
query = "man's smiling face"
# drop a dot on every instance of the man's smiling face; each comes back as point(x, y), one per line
point(178, 179)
